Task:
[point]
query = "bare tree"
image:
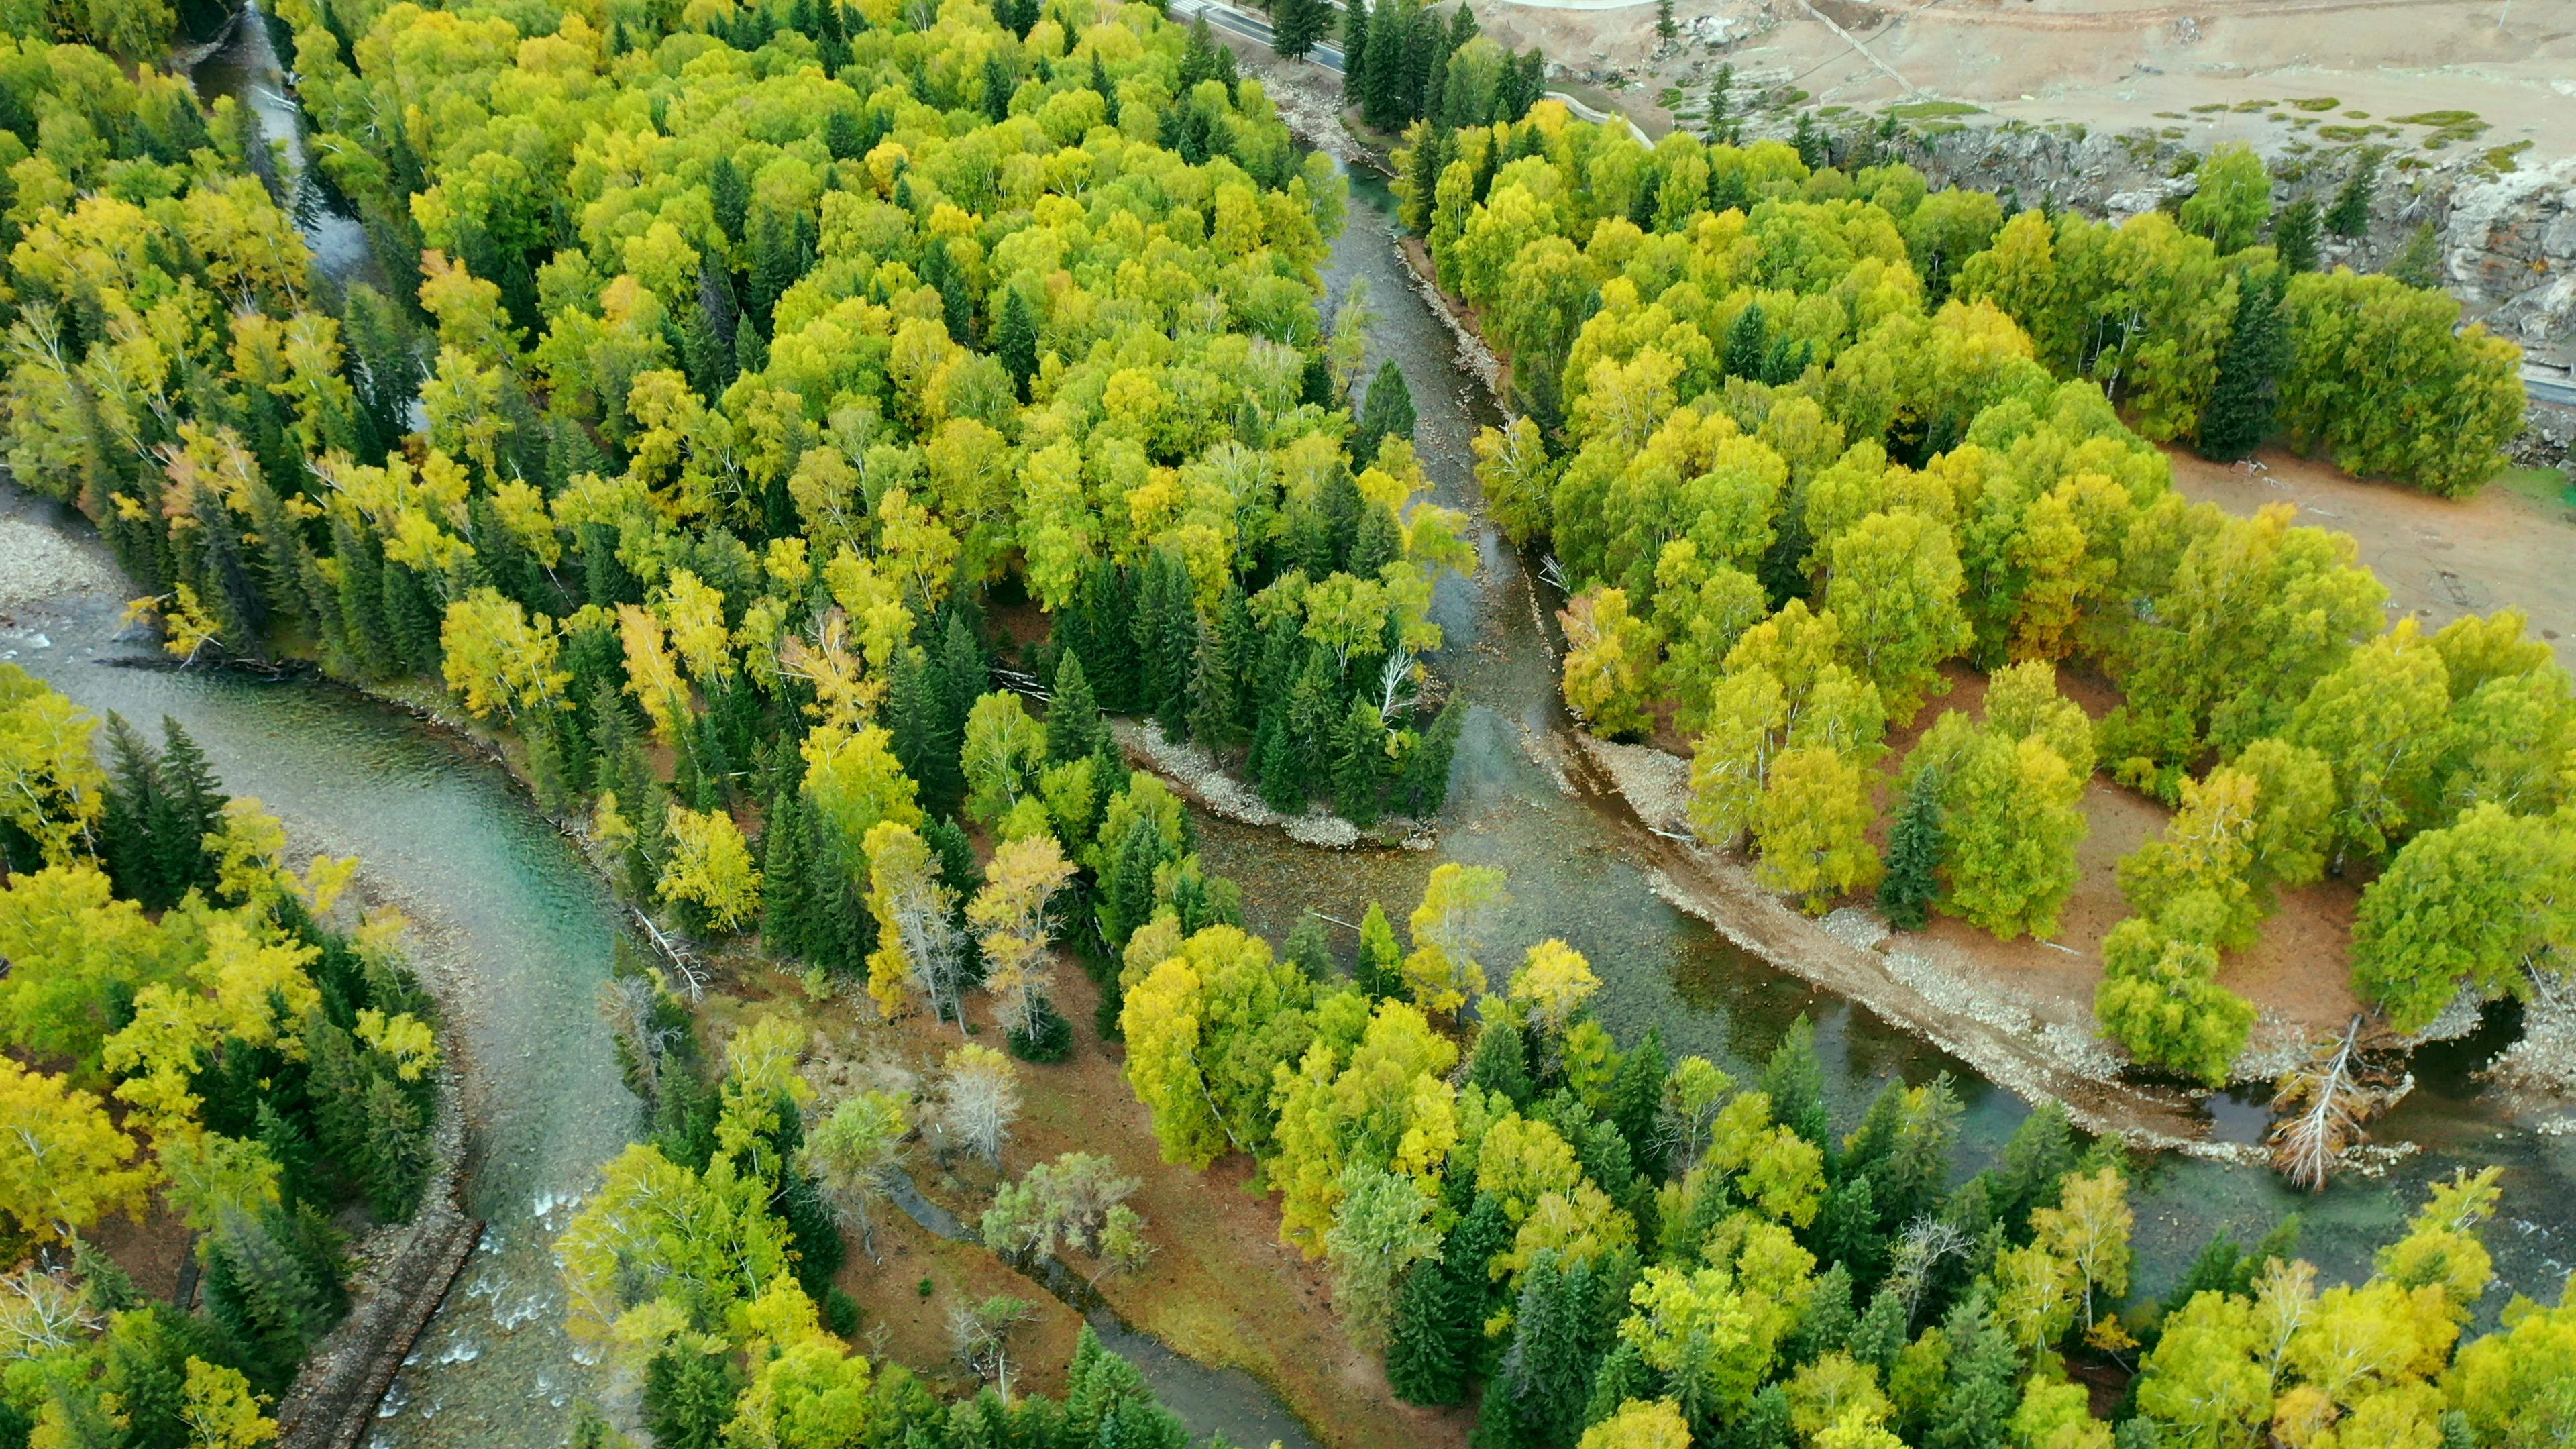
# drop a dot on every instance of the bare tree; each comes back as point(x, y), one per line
point(2320, 1108)
point(979, 1099)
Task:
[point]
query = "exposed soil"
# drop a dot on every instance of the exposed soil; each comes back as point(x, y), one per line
point(2104, 64)
point(1221, 1287)
point(2440, 557)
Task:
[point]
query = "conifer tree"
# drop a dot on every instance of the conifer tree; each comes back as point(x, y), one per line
point(688, 1398)
point(1359, 753)
point(1356, 23)
point(1310, 949)
point(1795, 1078)
point(1501, 1059)
point(1914, 849)
point(2295, 233)
point(1295, 26)
point(2349, 217)
point(1664, 25)
point(1423, 1358)
point(1388, 412)
point(1074, 728)
point(1720, 96)
point(2242, 401)
point(786, 877)
point(2420, 264)
point(1213, 689)
point(1015, 340)
point(1746, 341)
point(1424, 786)
point(1379, 968)
point(192, 807)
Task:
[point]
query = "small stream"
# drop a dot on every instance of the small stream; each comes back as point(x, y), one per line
point(524, 929)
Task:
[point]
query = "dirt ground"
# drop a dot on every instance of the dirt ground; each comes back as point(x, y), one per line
point(2110, 64)
point(2294, 973)
point(1221, 1288)
point(2440, 557)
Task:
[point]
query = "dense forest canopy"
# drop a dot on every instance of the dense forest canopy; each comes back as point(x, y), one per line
point(749, 391)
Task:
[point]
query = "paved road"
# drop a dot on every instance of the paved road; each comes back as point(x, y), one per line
point(2549, 387)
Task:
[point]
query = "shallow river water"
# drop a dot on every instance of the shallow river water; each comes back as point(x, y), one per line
point(509, 912)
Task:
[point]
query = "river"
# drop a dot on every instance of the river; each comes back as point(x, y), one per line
point(510, 915)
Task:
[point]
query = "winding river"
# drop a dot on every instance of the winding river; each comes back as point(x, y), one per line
point(522, 931)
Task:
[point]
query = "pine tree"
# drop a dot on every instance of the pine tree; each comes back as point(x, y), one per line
point(1212, 692)
point(1015, 340)
point(1356, 23)
point(133, 799)
point(1720, 97)
point(1664, 25)
point(1074, 728)
point(1976, 1409)
point(2241, 402)
point(1810, 142)
point(1127, 894)
point(2420, 264)
point(688, 1399)
point(1914, 849)
point(1297, 25)
point(1746, 341)
point(1424, 787)
point(1423, 1358)
point(1795, 1078)
point(1359, 758)
point(2349, 217)
point(1501, 1060)
point(1539, 1388)
point(192, 808)
point(787, 886)
point(2295, 232)
point(1106, 636)
point(1388, 412)
point(397, 1156)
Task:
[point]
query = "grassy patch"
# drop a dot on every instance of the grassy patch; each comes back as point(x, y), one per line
point(2169, 115)
point(1930, 110)
point(2353, 133)
point(2356, 115)
point(2247, 107)
point(2502, 157)
point(2436, 118)
point(2548, 486)
point(2211, 108)
point(2313, 103)
point(2448, 126)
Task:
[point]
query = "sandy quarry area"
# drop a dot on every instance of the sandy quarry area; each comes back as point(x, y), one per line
point(2112, 64)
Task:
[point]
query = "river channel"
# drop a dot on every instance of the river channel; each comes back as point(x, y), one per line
point(522, 931)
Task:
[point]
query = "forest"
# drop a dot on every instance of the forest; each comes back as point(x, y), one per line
point(187, 1021)
point(1802, 439)
point(799, 430)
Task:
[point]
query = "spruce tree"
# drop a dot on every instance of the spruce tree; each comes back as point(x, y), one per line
point(688, 1398)
point(2349, 217)
point(1720, 127)
point(1914, 849)
point(1127, 894)
point(1359, 757)
point(1828, 1321)
point(1015, 340)
point(1424, 787)
point(787, 886)
point(1878, 1335)
point(2420, 264)
point(192, 807)
point(397, 1157)
point(1310, 950)
point(1074, 728)
point(1355, 51)
point(1212, 692)
point(1975, 1411)
point(1296, 25)
point(1501, 1059)
point(1423, 1359)
point(1747, 339)
point(1664, 25)
point(1106, 635)
point(133, 799)
point(2242, 400)
point(1795, 1078)
point(1810, 142)
point(1388, 412)
point(2295, 233)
